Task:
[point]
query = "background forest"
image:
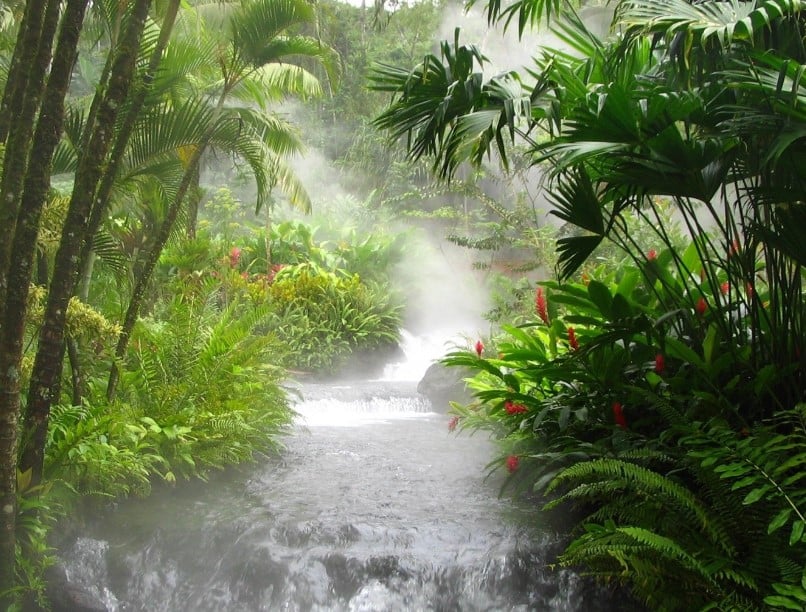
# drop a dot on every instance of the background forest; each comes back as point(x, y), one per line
point(200, 201)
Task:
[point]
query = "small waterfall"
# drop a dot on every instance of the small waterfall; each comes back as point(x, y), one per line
point(420, 352)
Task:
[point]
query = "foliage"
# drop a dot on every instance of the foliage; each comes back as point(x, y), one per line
point(199, 395)
point(325, 316)
point(624, 401)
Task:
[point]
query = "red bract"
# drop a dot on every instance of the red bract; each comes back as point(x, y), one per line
point(660, 363)
point(750, 291)
point(513, 408)
point(512, 463)
point(701, 306)
point(541, 305)
point(618, 415)
point(724, 288)
point(234, 256)
point(572, 339)
point(652, 255)
point(453, 423)
point(479, 348)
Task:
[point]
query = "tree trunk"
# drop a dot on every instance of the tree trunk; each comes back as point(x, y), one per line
point(101, 201)
point(18, 269)
point(49, 356)
point(25, 98)
point(18, 241)
point(22, 60)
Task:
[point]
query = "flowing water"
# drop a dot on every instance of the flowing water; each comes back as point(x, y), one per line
point(372, 506)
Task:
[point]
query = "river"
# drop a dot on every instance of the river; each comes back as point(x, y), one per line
point(373, 505)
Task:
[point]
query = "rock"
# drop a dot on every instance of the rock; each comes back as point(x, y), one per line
point(65, 596)
point(442, 385)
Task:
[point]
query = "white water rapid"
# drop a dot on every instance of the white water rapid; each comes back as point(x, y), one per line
point(373, 506)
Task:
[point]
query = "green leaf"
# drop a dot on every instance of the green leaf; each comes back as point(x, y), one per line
point(782, 602)
point(797, 533)
point(755, 495)
point(600, 295)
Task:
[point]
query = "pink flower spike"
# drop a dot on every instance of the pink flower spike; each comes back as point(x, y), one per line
point(652, 255)
point(541, 305)
point(453, 423)
point(479, 348)
point(572, 339)
point(513, 408)
point(725, 288)
point(618, 415)
point(512, 463)
point(234, 256)
point(701, 306)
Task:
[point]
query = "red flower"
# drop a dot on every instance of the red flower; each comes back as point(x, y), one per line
point(234, 256)
point(724, 288)
point(512, 463)
point(652, 255)
point(701, 306)
point(660, 363)
point(734, 247)
point(750, 291)
point(572, 339)
point(479, 348)
point(453, 423)
point(541, 305)
point(618, 415)
point(512, 408)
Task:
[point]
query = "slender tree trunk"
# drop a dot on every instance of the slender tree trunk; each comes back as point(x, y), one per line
point(135, 105)
point(24, 100)
point(25, 49)
point(48, 362)
point(18, 269)
point(76, 378)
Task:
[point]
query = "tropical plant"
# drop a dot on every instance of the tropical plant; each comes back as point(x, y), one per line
point(627, 402)
point(326, 316)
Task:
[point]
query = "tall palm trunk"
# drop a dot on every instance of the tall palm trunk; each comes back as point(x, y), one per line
point(19, 242)
point(136, 102)
point(22, 98)
point(100, 203)
point(50, 351)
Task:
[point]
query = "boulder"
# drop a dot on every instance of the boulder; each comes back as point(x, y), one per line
point(442, 384)
point(65, 596)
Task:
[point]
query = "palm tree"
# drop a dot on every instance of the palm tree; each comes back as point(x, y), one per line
point(698, 103)
point(260, 41)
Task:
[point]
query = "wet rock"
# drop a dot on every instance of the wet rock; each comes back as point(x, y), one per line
point(65, 596)
point(442, 385)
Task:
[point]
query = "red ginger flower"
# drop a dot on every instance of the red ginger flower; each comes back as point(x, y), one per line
point(701, 306)
point(660, 363)
point(652, 255)
point(512, 463)
point(618, 415)
point(479, 347)
point(234, 256)
point(541, 305)
point(453, 423)
point(513, 408)
point(572, 339)
point(724, 288)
